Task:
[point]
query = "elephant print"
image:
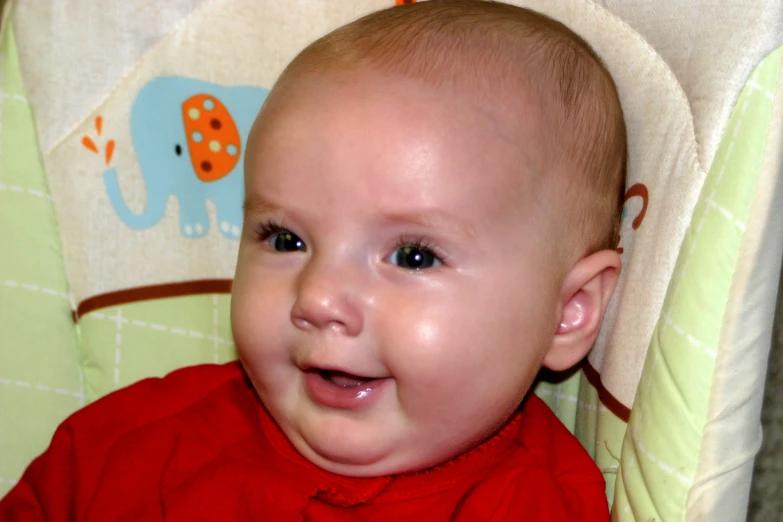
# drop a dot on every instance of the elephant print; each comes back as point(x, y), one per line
point(189, 138)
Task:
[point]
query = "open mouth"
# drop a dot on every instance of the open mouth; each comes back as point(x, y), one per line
point(343, 379)
point(343, 390)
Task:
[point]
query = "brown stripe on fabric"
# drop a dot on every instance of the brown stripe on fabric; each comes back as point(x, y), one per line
point(611, 403)
point(146, 293)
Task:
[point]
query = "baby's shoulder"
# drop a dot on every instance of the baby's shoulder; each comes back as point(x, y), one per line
point(547, 475)
point(547, 444)
point(113, 456)
point(150, 400)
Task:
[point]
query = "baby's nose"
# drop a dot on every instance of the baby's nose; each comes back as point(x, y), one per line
point(328, 297)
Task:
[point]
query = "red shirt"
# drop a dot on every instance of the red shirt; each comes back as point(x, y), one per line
point(199, 445)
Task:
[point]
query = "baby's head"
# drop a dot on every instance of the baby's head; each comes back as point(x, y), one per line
point(432, 197)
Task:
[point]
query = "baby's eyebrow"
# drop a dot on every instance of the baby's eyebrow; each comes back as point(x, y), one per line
point(433, 219)
point(254, 204)
point(426, 219)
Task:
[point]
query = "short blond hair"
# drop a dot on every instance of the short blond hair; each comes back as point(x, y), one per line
point(493, 47)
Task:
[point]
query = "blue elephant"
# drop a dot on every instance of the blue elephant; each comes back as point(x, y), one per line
point(189, 137)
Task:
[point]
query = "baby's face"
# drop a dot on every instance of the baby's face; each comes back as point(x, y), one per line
point(394, 294)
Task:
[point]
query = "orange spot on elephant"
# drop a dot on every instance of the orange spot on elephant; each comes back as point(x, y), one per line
point(212, 136)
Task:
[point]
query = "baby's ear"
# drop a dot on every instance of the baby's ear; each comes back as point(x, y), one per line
point(583, 299)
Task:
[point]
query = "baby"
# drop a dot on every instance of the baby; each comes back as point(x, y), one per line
point(432, 201)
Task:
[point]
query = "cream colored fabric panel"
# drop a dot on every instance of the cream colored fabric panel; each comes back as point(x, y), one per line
point(712, 47)
point(732, 434)
point(75, 51)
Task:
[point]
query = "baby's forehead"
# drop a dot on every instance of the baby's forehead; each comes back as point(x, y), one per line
point(395, 116)
point(512, 109)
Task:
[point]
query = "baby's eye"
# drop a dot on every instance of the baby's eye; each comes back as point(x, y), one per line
point(281, 239)
point(288, 242)
point(414, 258)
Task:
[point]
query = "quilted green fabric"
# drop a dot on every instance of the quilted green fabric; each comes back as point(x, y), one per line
point(126, 343)
point(40, 373)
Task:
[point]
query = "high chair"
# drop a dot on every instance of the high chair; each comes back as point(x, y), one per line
point(105, 278)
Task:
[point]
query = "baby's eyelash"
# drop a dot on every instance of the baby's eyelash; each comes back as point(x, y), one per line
point(420, 243)
point(267, 229)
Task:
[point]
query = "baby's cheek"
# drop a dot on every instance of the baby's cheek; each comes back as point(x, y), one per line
point(261, 345)
point(251, 321)
point(427, 351)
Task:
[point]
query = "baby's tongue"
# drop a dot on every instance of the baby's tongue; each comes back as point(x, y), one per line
point(347, 380)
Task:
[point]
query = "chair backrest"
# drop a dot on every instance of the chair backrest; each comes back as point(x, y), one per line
point(111, 279)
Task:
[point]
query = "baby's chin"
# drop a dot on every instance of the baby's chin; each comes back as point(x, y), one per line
point(346, 456)
point(361, 457)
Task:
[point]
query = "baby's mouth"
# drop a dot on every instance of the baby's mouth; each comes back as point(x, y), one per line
point(343, 379)
point(342, 390)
